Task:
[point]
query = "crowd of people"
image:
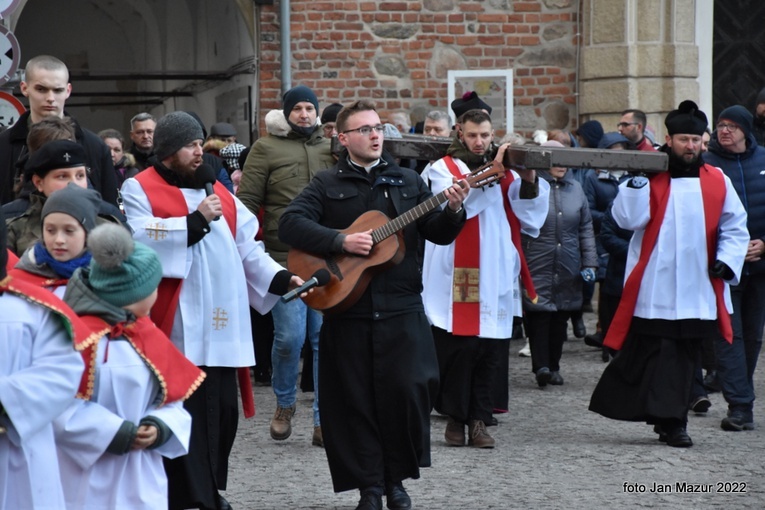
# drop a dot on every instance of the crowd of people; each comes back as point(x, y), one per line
point(140, 287)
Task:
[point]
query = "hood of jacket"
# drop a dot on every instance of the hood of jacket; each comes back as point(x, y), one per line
point(81, 298)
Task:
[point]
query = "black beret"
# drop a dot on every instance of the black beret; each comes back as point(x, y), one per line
point(54, 155)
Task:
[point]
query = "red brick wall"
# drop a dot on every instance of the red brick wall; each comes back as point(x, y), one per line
point(335, 45)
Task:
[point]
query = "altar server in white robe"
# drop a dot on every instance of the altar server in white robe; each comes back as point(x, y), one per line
point(470, 318)
point(112, 445)
point(213, 271)
point(39, 374)
point(689, 245)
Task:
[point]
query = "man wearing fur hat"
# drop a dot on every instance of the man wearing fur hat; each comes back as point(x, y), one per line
point(733, 148)
point(689, 243)
point(277, 169)
point(213, 271)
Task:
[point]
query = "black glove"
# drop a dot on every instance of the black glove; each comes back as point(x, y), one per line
point(721, 270)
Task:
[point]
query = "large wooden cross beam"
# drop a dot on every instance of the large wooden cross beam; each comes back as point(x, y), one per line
point(431, 148)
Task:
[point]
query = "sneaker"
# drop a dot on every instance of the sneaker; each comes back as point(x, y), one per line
point(701, 405)
point(455, 433)
point(737, 421)
point(318, 438)
point(526, 351)
point(479, 437)
point(281, 423)
point(543, 376)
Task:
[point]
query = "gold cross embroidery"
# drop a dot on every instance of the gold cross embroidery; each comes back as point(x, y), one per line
point(220, 319)
point(156, 231)
point(465, 285)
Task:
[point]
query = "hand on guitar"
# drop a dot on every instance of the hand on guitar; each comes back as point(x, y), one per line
point(457, 194)
point(526, 174)
point(359, 243)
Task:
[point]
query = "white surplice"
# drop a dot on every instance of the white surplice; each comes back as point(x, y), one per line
point(222, 277)
point(39, 375)
point(676, 283)
point(125, 389)
point(499, 261)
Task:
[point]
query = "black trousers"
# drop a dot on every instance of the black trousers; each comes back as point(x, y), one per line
point(467, 368)
point(547, 332)
point(195, 479)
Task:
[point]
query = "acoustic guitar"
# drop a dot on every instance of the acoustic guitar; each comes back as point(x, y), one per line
point(350, 274)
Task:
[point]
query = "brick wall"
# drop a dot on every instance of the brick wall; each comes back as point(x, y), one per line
point(398, 53)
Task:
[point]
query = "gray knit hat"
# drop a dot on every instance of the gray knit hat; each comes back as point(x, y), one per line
point(174, 131)
point(82, 204)
point(122, 271)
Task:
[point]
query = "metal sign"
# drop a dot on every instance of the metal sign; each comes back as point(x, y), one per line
point(7, 7)
point(10, 109)
point(10, 55)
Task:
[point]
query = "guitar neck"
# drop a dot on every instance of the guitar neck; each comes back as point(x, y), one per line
point(413, 214)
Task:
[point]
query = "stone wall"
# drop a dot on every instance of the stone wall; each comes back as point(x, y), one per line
point(397, 53)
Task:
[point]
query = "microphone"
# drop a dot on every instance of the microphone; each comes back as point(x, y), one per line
point(206, 175)
point(319, 278)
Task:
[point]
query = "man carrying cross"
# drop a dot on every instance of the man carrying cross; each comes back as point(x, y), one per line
point(471, 291)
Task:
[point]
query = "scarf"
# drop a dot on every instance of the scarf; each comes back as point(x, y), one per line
point(458, 150)
point(64, 269)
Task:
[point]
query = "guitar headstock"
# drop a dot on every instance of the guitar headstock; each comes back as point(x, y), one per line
point(486, 175)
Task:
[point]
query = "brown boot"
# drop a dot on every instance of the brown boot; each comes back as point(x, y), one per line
point(318, 438)
point(479, 437)
point(281, 423)
point(455, 433)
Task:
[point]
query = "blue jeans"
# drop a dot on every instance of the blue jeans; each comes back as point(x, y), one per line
point(292, 322)
point(736, 362)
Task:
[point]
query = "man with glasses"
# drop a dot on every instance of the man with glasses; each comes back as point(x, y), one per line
point(632, 127)
point(277, 169)
point(142, 135)
point(734, 149)
point(378, 372)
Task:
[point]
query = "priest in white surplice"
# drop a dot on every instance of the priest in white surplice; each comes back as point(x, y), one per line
point(471, 289)
point(689, 245)
point(213, 270)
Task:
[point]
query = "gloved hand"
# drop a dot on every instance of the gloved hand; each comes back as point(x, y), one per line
point(721, 270)
point(588, 274)
point(637, 182)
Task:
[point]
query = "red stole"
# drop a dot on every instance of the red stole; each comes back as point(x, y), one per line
point(37, 280)
point(515, 236)
point(167, 201)
point(713, 197)
point(177, 376)
point(82, 337)
point(466, 306)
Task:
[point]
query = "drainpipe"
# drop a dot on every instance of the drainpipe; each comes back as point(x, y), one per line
point(284, 15)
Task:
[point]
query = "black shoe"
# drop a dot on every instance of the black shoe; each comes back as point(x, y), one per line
point(595, 340)
point(493, 422)
point(700, 405)
point(737, 421)
point(396, 497)
point(543, 376)
point(370, 500)
point(662, 435)
point(556, 379)
point(579, 328)
point(679, 438)
point(711, 383)
point(223, 504)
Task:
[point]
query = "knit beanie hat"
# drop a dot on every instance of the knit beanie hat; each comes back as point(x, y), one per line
point(760, 97)
point(54, 155)
point(174, 131)
point(688, 120)
point(741, 116)
point(230, 154)
point(82, 204)
point(330, 113)
point(295, 95)
point(592, 132)
point(122, 271)
point(469, 101)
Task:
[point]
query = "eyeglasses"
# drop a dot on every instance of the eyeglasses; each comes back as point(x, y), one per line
point(366, 130)
point(625, 124)
point(731, 128)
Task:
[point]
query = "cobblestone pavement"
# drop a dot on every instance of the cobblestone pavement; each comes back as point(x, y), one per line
point(551, 453)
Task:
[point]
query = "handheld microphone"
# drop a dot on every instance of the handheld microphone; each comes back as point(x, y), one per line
point(206, 175)
point(319, 278)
